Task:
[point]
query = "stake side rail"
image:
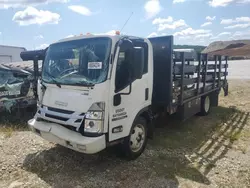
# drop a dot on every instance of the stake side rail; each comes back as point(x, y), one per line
point(193, 78)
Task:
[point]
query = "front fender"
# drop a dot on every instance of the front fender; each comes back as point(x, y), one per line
point(147, 114)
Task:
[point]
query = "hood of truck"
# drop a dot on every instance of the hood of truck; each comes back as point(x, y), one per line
point(74, 98)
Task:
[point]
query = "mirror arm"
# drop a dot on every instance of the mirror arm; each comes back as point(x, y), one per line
point(117, 103)
point(130, 90)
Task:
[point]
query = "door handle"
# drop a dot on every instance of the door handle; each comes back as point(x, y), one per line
point(146, 94)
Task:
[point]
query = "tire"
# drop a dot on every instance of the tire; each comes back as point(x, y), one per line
point(205, 105)
point(131, 150)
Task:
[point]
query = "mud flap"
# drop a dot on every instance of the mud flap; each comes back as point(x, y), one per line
point(214, 97)
point(225, 88)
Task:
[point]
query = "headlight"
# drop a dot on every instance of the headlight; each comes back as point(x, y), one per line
point(94, 118)
point(93, 115)
point(93, 126)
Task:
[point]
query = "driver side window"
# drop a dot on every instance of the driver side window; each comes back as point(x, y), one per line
point(123, 72)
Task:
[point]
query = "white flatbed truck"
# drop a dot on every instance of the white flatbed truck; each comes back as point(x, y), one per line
point(100, 90)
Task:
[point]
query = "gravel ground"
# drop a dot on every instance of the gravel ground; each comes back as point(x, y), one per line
point(212, 151)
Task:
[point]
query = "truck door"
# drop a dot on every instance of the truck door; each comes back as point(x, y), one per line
point(128, 96)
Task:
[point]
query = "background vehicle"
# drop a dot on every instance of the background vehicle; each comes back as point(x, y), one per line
point(17, 86)
point(97, 91)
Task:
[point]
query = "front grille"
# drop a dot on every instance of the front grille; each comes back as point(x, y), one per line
point(68, 119)
point(78, 121)
point(66, 126)
point(69, 127)
point(60, 110)
point(56, 117)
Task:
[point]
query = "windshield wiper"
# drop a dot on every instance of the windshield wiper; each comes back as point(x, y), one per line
point(54, 79)
point(84, 83)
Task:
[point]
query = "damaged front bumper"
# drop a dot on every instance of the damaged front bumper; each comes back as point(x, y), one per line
point(58, 134)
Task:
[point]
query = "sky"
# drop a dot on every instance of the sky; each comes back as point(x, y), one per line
point(34, 24)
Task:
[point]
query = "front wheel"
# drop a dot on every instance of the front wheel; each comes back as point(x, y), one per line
point(134, 145)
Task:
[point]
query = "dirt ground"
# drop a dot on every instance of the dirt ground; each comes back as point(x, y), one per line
point(212, 151)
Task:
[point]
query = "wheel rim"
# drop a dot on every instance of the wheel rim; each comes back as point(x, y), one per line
point(137, 138)
point(207, 104)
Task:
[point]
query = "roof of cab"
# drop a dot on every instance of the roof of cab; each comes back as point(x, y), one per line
point(86, 36)
point(112, 36)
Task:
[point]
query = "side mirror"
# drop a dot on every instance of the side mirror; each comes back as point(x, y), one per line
point(138, 62)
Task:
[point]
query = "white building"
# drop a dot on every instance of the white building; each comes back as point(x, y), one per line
point(10, 54)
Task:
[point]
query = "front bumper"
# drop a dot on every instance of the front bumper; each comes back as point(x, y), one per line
point(67, 138)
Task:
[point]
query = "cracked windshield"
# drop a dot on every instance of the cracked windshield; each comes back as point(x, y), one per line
point(77, 62)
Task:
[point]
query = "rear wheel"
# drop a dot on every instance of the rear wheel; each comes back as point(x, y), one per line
point(205, 105)
point(134, 145)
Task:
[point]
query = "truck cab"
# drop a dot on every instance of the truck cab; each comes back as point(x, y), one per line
point(95, 91)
